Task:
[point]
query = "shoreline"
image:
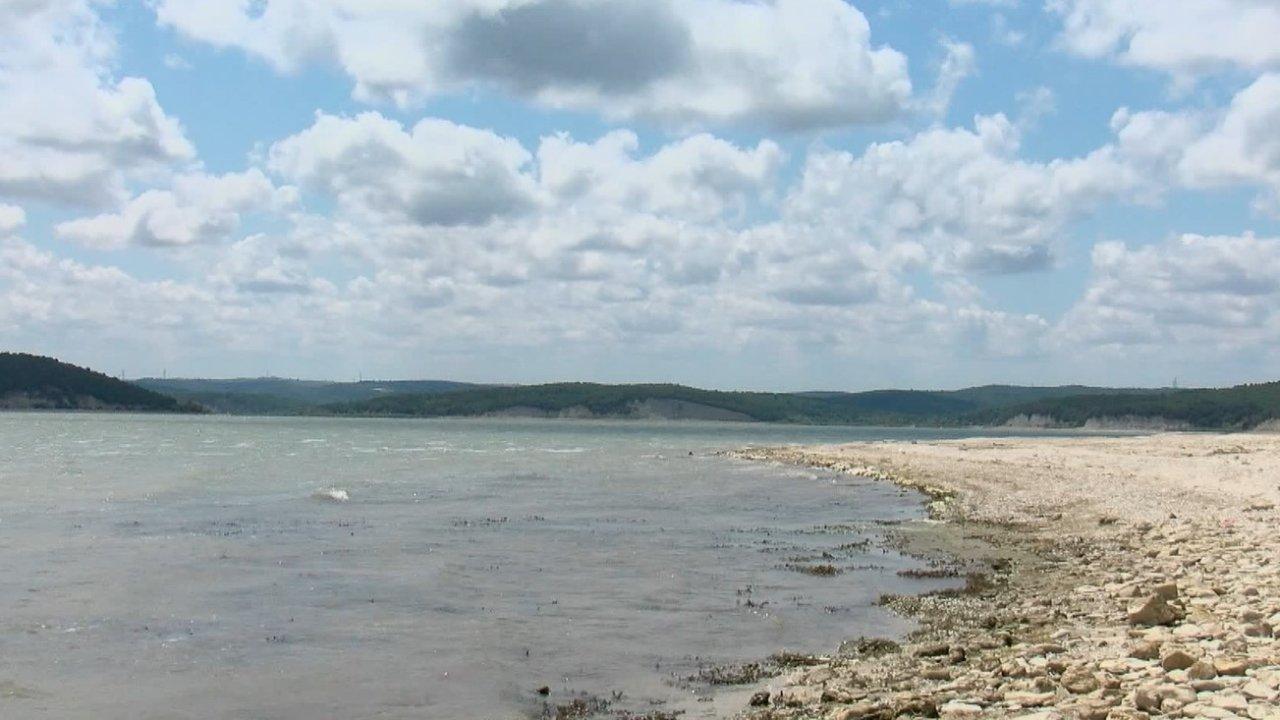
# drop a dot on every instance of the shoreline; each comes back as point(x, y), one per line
point(1108, 578)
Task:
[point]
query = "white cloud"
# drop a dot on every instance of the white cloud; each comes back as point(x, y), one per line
point(958, 63)
point(436, 173)
point(1243, 146)
point(962, 194)
point(198, 209)
point(698, 177)
point(12, 217)
point(43, 296)
point(1180, 37)
point(1220, 293)
point(71, 132)
point(784, 63)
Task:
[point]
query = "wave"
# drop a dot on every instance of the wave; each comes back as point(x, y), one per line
point(331, 495)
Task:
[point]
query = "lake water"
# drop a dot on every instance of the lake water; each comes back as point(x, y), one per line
point(207, 567)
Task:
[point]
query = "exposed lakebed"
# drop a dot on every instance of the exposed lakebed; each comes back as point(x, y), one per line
point(297, 568)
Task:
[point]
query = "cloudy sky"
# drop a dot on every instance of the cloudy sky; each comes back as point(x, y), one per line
point(768, 194)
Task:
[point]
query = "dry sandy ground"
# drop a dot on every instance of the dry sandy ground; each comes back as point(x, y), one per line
point(1120, 578)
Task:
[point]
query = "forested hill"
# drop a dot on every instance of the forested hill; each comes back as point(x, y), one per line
point(1244, 407)
point(36, 382)
point(587, 400)
point(276, 396)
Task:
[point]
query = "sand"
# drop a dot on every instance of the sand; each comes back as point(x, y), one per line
point(1108, 578)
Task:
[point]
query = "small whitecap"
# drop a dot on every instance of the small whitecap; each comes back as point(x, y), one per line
point(331, 495)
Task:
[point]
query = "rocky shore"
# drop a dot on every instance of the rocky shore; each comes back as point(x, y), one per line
point(1116, 578)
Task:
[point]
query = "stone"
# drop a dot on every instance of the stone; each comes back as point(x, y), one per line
point(1257, 630)
point(1152, 611)
point(1166, 591)
point(1257, 691)
point(1202, 670)
point(1177, 660)
point(1145, 650)
point(1147, 697)
point(1230, 701)
point(1028, 699)
point(1080, 681)
point(1230, 666)
point(956, 710)
point(858, 711)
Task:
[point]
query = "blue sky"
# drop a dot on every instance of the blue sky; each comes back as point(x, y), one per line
point(772, 194)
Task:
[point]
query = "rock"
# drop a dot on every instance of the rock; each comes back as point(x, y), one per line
point(1257, 691)
point(1177, 660)
point(1152, 611)
point(1208, 685)
point(1230, 666)
point(934, 650)
point(955, 710)
point(1202, 670)
point(1028, 699)
point(915, 706)
point(936, 673)
point(858, 711)
point(1080, 681)
point(800, 696)
point(1147, 697)
point(1145, 650)
point(760, 699)
point(1166, 591)
point(1230, 701)
point(1258, 630)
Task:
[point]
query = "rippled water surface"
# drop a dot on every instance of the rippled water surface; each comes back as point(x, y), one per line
point(208, 567)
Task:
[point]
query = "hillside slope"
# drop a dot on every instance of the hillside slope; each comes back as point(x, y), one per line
point(42, 383)
point(883, 407)
point(1243, 407)
point(284, 396)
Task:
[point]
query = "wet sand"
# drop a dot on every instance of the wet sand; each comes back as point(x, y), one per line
point(1107, 578)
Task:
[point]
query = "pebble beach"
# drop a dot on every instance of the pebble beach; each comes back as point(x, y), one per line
point(1105, 578)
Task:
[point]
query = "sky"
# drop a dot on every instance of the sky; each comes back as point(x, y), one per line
point(756, 194)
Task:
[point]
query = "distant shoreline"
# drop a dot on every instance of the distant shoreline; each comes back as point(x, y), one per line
point(1001, 430)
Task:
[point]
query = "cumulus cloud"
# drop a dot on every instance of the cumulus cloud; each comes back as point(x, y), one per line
point(71, 132)
point(700, 176)
point(608, 48)
point(1180, 37)
point(198, 209)
point(43, 296)
point(1243, 146)
point(965, 195)
point(1221, 291)
point(783, 63)
point(435, 173)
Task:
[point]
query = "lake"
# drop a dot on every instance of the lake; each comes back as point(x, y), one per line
point(217, 567)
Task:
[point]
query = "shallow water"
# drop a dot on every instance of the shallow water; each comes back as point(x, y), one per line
point(211, 567)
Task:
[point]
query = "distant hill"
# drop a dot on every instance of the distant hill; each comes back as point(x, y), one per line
point(33, 382)
point(283, 396)
point(587, 400)
point(1244, 407)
